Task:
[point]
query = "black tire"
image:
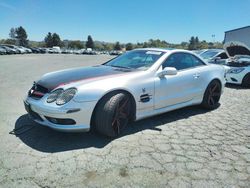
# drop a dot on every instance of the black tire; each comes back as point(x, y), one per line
point(212, 95)
point(246, 81)
point(113, 114)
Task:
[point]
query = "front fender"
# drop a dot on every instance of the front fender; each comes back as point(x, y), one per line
point(96, 94)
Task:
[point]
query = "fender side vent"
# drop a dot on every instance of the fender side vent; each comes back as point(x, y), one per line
point(145, 98)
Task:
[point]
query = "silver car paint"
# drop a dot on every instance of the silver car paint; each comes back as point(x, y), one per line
point(169, 93)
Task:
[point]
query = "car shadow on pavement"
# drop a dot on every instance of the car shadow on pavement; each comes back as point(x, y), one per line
point(44, 139)
point(235, 86)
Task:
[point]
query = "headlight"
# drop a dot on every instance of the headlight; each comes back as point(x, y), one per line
point(66, 96)
point(54, 95)
point(236, 71)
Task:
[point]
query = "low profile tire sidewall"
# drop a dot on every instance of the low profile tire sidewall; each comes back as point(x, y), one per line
point(205, 102)
point(105, 114)
point(246, 81)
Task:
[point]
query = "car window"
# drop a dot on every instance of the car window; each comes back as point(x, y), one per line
point(223, 55)
point(182, 61)
point(196, 61)
point(209, 54)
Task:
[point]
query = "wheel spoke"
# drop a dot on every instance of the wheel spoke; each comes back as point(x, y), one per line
point(113, 123)
point(118, 124)
point(210, 91)
point(212, 101)
point(214, 87)
point(216, 94)
point(123, 105)
point(123, 115)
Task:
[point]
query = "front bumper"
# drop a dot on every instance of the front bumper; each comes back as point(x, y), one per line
point(78, 112)
point(234, 78)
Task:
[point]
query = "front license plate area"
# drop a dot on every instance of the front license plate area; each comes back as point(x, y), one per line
point(33, 114)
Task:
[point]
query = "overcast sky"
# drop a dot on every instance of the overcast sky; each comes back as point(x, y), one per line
point(125, 20)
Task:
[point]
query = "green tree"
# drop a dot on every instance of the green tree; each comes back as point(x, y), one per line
point(210, 45)
point(139, 45)
point(77, 44)
point(108, 46)
point(52, 40)
point(193, 43)
point(48, 40)
point(8, 41)
point(12, 33)
point(117, 46)
point(203, 45)
point(56, 41)
point(197, 43)
point(99, 46)
point(90, 42)
point(145, 45)
point(218, 45)
point(21, 36)
point(184, 45)
point(129, 46)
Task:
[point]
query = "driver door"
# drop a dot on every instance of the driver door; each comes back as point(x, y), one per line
point(180, 88)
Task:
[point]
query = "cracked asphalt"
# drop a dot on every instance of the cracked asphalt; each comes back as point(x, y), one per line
point(190, 147)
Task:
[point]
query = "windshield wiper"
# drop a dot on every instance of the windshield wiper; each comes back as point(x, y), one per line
point(120, 66)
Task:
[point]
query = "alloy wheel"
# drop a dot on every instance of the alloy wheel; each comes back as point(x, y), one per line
point(121, 115)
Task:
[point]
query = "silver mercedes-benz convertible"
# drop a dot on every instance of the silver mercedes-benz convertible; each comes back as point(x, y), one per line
point(138, 84)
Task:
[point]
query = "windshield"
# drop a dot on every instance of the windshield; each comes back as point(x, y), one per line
point(138, 59)
point(209, 54)
point(198, 51)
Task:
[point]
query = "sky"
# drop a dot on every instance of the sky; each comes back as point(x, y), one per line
point(125, 20)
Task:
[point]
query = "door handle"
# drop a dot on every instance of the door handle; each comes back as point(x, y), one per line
point(196, 75)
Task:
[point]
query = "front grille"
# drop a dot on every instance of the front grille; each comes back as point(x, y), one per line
point(37, 91)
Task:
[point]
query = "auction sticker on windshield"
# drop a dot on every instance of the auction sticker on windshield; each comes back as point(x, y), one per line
point(153, 53)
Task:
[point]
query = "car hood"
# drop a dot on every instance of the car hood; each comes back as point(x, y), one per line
point(235, 48)
point(55, 79)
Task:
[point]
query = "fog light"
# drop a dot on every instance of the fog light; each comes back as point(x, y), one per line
point(60, 121)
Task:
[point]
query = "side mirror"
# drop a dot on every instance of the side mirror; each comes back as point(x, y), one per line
point(167, 71)
point(217, 59)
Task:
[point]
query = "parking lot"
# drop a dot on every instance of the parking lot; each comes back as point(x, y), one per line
point(190, 147)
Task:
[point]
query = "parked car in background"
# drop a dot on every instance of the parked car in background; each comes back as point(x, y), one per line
point(50, 50)
point(35, 50)
point(239, 63)
point(27, 50)
point(78, 52)
point(56, 49)
point(2, 51)
point(138, 84)
point(14, 49)
point(215, 56)
point(66, 51)
point(42, 50)
point(115, 52)
point(17, 49)
point(237, 46)
point(8, 49)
